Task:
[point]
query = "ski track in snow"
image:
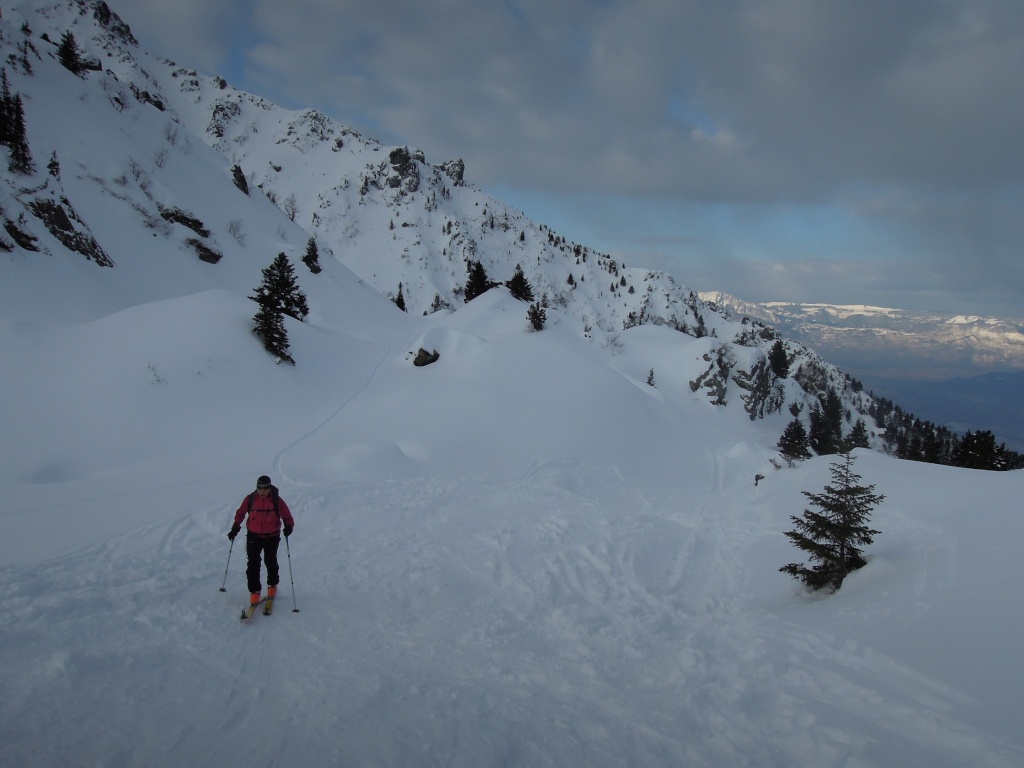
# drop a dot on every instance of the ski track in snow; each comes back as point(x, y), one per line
point(459, 623)
point(564, 617)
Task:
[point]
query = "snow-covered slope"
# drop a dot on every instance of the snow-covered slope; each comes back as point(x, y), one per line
point(522, 554)
point(395, 220)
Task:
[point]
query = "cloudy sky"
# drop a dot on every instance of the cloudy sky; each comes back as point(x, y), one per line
point(848, 151)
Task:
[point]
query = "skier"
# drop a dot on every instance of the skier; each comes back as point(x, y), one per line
point(266, 512)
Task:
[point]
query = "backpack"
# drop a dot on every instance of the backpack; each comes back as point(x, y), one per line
point(273, 495)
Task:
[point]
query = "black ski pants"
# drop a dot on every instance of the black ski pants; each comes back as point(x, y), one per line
point(265, 547)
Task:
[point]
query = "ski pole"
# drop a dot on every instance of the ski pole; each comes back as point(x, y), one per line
point(224, 583)
point(291, 578)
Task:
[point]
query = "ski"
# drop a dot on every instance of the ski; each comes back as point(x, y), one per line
point(268, 607)
point(250, 609)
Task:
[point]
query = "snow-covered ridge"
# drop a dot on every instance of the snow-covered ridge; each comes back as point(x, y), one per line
point(193, 166)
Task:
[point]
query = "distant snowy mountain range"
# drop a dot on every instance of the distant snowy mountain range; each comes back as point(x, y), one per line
point(892, 342)
point(964, 372)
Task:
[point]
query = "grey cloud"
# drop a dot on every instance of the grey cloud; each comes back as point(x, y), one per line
point(810, 96)
point(908, 114)
point(194, 33)
point(806, 97)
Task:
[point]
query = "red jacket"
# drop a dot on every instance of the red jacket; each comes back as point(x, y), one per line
point(263, 521)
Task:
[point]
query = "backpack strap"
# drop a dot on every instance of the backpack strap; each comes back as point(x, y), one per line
point(273, 496)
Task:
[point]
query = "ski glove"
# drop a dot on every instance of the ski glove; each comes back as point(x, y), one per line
point(233, 532)
point(288, 530)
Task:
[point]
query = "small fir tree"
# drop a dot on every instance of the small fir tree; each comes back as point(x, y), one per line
point(793, 443)
point(834, 535)
point(280, 289)
point(312, 256)
point(858, 437)
point(270, 328)
point(6, 106)
point(238, 176)
point(68, 55)
point(278, 295)
point(777, 359)
point(12, 128)
point(826, 433)
point(477, 281)
point(519, 286)
point(650, 378)
point(400, 299)
point(21, 157)
point(537, 316)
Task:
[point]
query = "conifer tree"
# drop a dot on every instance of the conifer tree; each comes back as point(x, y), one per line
point(834, 535)
point(477, 281)
point(6, 104)
point(270, 328)
point(278, 295)
point(537, 316)
point(68, 55)
point(400, 299)
point(978, 450)
point(312, 257)
point(777, 359)
point(238, 176)
point(519, 286)
point(858, 437)
point(793, 443)
point(12, 128)
point(281, 290)
point(21, 158)
point(826, 433)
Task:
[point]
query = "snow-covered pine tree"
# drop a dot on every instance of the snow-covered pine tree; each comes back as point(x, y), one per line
point(833, 536)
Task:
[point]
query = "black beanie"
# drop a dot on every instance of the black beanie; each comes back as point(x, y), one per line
point(263, 482)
